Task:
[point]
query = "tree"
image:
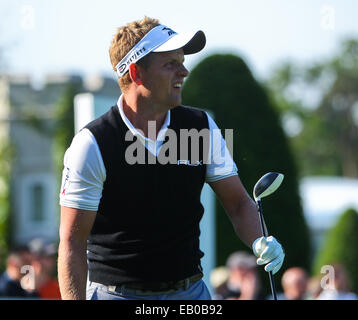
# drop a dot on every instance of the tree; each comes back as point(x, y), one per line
point(224, 85)
point(64, 125)
point(323, 97)
point(340, 246)
point(6, 155)
point(339, 106)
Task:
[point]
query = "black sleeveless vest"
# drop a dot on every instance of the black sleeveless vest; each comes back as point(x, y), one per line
point(147, 224)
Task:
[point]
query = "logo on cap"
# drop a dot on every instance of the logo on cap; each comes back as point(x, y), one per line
point(122, 67)
point(170, 31)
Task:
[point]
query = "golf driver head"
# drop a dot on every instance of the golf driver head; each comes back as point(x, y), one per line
point(267, 184)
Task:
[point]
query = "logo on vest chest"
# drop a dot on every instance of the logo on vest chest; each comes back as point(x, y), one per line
point(188, 163)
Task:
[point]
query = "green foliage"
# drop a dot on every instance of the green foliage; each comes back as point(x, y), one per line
point(224, 85)
point(340, 246)
point(6, 155)
point(64, 128)
point(33, 119)
point(324, 96)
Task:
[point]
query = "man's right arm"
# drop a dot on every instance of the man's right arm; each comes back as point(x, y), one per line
point(75, 227)
point(82, 183)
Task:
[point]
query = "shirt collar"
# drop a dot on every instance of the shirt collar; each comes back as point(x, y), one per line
point(134, 131)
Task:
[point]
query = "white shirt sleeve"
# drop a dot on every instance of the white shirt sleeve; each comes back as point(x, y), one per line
point(84, 173)
point(221, 164)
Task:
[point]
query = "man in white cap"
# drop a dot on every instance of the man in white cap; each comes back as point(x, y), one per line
point(243, 281)
point(129, 220)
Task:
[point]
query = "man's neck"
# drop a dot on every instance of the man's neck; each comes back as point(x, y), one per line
point(140, 113)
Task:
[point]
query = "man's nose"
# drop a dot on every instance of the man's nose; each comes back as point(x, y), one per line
point(183, 71)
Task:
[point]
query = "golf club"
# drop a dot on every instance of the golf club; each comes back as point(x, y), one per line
point(266, 185)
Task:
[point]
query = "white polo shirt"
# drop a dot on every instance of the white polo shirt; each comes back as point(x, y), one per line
point(84, 172)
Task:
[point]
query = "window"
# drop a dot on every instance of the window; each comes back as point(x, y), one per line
point(37, 202)
point(35, 206)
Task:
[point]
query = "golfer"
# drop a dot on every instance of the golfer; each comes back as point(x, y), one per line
point(130, 229)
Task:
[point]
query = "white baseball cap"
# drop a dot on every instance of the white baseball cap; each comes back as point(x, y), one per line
point(161, 39)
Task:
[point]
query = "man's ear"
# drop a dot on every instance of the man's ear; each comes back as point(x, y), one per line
point(135, 74)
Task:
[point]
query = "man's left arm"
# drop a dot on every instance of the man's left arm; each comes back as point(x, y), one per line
point(242, 212)
point(239, 207)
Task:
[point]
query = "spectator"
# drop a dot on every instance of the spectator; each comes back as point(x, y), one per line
point(44, 264)
point(11, 280)
point(218, 277)
point(243, 282)
point(314, 287)
point(294, 283)
point(340, 289)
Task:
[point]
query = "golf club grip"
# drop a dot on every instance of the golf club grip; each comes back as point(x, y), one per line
point(264, 233)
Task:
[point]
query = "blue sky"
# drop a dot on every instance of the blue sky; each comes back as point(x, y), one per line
point(50, 36)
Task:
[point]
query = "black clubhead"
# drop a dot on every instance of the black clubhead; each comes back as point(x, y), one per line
point(267, 184)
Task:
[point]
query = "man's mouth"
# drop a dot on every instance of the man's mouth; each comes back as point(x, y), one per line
point(177, 85)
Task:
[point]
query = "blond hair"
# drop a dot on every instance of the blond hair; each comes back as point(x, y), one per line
point(125, 39)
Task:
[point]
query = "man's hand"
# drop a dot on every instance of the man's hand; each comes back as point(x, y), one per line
point(269, 251)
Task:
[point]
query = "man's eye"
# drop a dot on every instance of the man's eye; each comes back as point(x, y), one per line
point(173, 64)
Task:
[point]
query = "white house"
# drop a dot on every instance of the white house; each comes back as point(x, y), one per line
point(34, 188)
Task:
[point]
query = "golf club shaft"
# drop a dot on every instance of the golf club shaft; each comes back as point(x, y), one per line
point(263, 227)
point(264, 233)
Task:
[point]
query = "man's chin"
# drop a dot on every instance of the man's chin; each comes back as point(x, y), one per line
point(175, 103)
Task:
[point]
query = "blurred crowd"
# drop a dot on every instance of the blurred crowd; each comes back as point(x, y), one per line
point(30, 272)
point(239, 280)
